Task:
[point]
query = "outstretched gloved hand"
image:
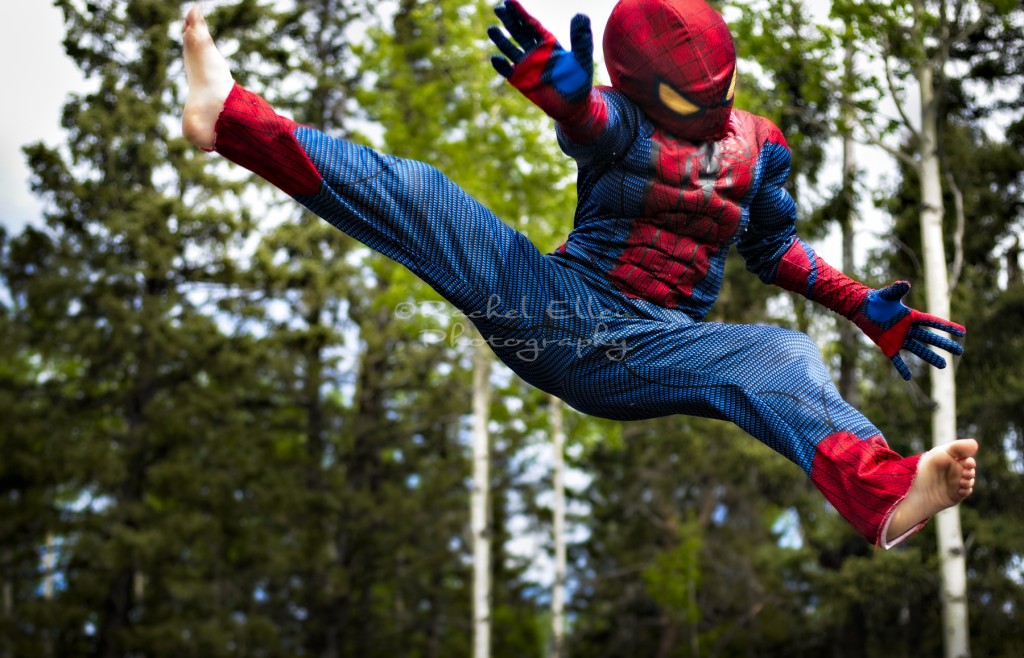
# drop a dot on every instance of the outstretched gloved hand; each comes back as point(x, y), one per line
point(894, 327)
point(557, 81)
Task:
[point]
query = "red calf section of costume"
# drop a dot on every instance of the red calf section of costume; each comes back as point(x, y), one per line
point(864, 480)
point(251, 134)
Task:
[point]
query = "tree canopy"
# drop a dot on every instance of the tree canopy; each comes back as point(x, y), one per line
point(233, 431)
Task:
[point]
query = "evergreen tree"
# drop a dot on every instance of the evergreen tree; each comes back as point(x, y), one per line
point(145, 457)
point(362, 422)
point(365, 413)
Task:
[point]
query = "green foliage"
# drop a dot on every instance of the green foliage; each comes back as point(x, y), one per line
point(675, 512)
point(447, 105)
point(777, 39)
point(674, 577)
point(233, 445)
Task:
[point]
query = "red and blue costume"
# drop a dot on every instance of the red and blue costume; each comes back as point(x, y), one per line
point(670, 178)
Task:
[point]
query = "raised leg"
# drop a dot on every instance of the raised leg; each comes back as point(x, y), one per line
point(772, 383)
point(404, 209)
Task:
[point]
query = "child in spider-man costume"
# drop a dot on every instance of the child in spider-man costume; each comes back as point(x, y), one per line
point(670, 178)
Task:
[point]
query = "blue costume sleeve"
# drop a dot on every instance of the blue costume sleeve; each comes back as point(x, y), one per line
point(621, 121)
point(771, 230)
point(775, 253)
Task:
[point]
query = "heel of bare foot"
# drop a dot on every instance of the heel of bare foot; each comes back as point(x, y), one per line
point(209, 81)
point(945, 477)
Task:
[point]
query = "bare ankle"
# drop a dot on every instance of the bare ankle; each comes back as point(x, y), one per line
point(945, 477)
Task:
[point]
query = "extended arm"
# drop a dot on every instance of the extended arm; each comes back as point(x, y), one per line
point(778, 256)
point(559, 82)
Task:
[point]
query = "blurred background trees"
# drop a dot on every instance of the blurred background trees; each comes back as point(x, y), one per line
point(232, 431)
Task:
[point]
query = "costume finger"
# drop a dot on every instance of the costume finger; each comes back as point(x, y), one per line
point(507, 48)
point(502, 66)
point(514, 18)
point(941, 324)
point(582, 39)
point(530, 24)
point(901, 367)
point(509, 19)
point(894, 291)
point(927, 355)
point(932, 338)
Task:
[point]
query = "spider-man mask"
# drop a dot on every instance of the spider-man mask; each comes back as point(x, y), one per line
point(676, 60)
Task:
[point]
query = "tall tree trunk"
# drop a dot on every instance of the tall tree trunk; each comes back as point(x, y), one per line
point(49, 564)
point(952, 563)
point(848, 332)
point(7, 599)
point(668, 639)
point(357, 554)
point(558, 522)
point(116, 615)
point(479, 500)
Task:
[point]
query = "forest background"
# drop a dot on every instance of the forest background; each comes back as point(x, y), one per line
point(229, 430)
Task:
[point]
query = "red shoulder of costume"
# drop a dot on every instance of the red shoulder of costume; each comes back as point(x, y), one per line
point(755, 129)
point(767, 131)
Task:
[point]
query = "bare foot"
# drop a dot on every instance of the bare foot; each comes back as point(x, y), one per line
point(209, 81)
point(945, 476)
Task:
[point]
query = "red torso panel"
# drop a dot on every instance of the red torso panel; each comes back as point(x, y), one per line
point(692, 211)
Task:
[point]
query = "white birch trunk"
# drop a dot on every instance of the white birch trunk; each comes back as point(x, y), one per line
point(479, 501)
point(952, 564)
point(558, 512)
point(49, 566)
point(848, 332)
point(8, 590)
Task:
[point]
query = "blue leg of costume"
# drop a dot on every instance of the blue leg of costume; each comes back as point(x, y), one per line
point(568, 334)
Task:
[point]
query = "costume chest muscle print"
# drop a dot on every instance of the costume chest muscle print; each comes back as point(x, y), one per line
point(665, 240)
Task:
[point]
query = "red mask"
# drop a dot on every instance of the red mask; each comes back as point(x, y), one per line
point(675, 59)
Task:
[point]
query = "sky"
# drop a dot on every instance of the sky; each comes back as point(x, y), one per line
point(41, 89)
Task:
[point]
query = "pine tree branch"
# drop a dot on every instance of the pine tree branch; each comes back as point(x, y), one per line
point(890, 84)
point(985, 12)
point(874, 139)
